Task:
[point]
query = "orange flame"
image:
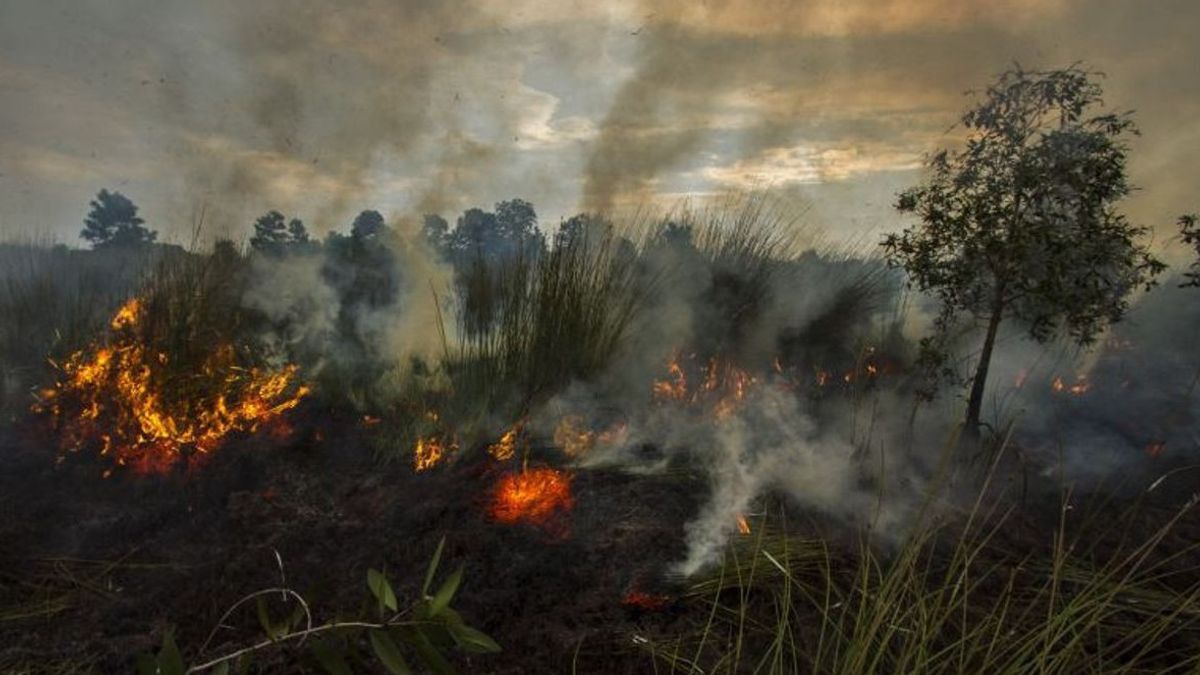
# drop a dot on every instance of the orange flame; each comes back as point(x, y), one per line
point(505, 448)
point(531, 496)
point(114, 397)
point(1079, 388)
point(429, 451)
point(743, 524)
point(675, 387)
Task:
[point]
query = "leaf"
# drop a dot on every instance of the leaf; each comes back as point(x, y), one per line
point(170, 662)
point(446, 593)
point(146, 664)
point(388, 653)
point(264, 619)
point(433, 565)
point(473, 641)
point(381, 589)
point(221, 668)
point(429, 654)
point(331, 658)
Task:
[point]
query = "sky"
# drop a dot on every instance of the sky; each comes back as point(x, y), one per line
point(214, 112)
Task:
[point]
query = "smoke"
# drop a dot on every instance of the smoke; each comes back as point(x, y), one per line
point(313, 318)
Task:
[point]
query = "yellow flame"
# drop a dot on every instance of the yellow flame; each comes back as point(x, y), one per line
point(110, 396)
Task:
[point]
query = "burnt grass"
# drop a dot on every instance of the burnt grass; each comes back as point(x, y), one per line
point(92, 570)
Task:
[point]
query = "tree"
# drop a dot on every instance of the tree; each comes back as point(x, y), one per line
point(366, 225)
point(436, 231)
point(1021, 224)
point(114, 222)
point(516, 223)
point(272, 235)
point(1189, 229)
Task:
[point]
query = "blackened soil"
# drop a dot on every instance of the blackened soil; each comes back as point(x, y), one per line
point(92, 570)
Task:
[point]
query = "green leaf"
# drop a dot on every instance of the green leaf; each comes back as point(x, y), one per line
point(388, 653)
point(221, 668)
point(473, 641)
point(429, 654)
point(433, 565)
point(381, 589)
point(170, 662)
point(446, 593)
point(264, 619)
point(331, 658)
point(146, 664)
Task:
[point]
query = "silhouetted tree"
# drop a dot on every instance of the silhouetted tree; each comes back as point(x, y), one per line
point(1189, 229)
point(436, 231)
point(516, 221)
point(272, 236)
point(366, 225)
point(114, 222)
point(1022, 223)
point(475, 235)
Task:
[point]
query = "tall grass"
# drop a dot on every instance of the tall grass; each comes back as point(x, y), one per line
point(54, 300)
point(957, 595)
point(546, 321)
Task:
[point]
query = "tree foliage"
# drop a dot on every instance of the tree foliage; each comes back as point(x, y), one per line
point(275, 236)
point(114, 222)
point(1189, 229)
point(1022, 223)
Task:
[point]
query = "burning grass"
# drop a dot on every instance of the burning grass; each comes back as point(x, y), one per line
point(124, 400)
point(533, 496)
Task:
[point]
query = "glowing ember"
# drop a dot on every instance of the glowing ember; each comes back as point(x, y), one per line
point(743, 524)
point(1155, 449)
point(119, 398)
point(649, 602)
point(675, 387)
point(531, 496)
point(1079, 388)
point(576, 438)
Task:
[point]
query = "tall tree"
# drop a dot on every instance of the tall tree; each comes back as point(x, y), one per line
point(1189, 229)
point(436, 232)
point(366, 225)
point(113, 222)
point(1021, 224)
point(273, 235)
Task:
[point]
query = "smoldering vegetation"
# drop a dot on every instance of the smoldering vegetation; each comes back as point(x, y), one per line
point(714, 349)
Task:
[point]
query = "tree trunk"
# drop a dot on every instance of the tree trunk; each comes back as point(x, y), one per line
point(975, 402)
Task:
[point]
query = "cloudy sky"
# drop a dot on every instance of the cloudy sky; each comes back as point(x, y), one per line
point(321, 109)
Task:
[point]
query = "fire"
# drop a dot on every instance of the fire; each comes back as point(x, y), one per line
point(1079, 388)
point(576, 438)
point(531, 496)
point(743, 525)
point(650, 602)
point(115, 397)
point(506, 448)
point(675, 387)
point(724, 386)
point(429, 451)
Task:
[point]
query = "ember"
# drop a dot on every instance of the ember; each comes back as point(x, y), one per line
point(531, 496)
point(117, 397)
point(649, 602)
